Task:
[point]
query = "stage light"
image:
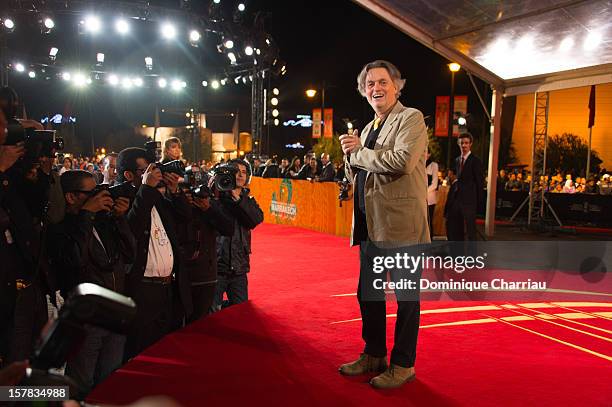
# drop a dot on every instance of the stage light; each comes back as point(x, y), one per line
point(194, 36)
point(9, 24)
point(47, 25)
point(92, 24)
point(251, 78)
point(137, 82)
point(113, 80)
point(126, 83)
point(79, 80)
point(122, 26)
point(32, 74)
point(274, 102)
point(248, 50)
point(168, 31)
point(237, 80)
point(19, 67)
point(566, 44)
point(176, 85)
point(223, 82)
point(53, 53)
point(232, 58)
point(66, 76)
point(275, 91)
point(311, 93)
point(592, 41)
point(268, 41)
point(275, 113)
point(216, 1)
point(100, 58)
point(162, 83)
point(244, 80)
point(215, 84)
point(205, 83)
point(241, 7)
point(276, 122)
point(229, 44)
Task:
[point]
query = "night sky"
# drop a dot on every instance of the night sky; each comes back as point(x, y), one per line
point(319, 40)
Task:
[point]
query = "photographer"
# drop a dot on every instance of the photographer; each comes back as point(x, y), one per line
point(198, 239)
point(157, 282)
point(92, 245)
point(233, 252)
point(23, 199)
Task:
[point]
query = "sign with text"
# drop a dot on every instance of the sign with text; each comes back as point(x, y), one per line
point(316, 123)
point(328, 120)
point(441, 126)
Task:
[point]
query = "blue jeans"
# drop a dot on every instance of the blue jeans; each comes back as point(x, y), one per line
point(236, 287)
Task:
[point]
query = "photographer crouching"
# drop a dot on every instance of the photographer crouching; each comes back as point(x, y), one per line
point(157, 280)
point(233, 252)
point(92, 244)
point(24, 191)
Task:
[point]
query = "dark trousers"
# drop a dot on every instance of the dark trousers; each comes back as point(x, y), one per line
point(236, 287)
point(30, 317)
point(155, 316)
point(203, 296)
point(100, 354)
point(374, 318)
point(430, 213)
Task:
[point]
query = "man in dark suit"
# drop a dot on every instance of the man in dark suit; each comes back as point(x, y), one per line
point(328, 172)
point(452, 211)
point(470, 183)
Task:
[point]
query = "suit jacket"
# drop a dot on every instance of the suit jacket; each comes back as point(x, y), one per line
point(139, 219)
point(470, 183)
point(328, 173)
point(396, 184)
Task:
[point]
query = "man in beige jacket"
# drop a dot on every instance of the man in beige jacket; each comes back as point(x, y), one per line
point(386, 165)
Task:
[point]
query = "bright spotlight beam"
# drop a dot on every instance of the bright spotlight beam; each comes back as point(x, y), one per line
point(93, 24)
point(122, 26)
point(168, 31)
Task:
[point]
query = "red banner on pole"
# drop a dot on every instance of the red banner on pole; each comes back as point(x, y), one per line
point(316, 123)
point(441, 125)
point(328, 123)
point(592, 107)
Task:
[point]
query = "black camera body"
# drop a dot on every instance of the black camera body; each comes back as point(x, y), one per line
point(37, 143)
point(173, 167)
point(345, 186)
point(222, 178)
point(153, 151)
point(124, 190)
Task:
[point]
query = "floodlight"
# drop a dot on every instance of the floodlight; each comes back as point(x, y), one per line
point(19, 67)
point(274, 102)
point(137, 82)
point(53, 53)
point(194, 36)
point(92, 24)
point(232, 57)
point(113, 80)
point(276, 122)
point(100, 57)
point(9, 24)
point(241, 7)
point(122, 26)
point(205, 83)
point(79, 80)
point(162, 83)
point(229, 44)
point(275, 113)
point(168, 31)
point(32, 74)
point(66, 76)
point(215, 84)
point(275, 91)
point(126, 83)
point(248, 50)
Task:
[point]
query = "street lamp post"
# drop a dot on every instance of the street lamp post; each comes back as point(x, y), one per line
point(311, 93)
point(454, 67)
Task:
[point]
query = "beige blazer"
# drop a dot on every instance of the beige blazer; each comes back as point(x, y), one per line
point(396, 183)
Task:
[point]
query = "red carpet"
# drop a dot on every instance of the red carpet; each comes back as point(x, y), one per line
point(285, 345)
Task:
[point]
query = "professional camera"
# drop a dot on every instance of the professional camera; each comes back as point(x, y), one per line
point(153, 150)
point(37, 143)
point(124, 190)
point(345, 187)
point(174, 167)
point(222, 178)
point(193, 175)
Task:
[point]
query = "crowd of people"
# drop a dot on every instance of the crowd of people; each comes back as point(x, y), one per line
point(312, 168)
point(179, 245)
point(558, 183)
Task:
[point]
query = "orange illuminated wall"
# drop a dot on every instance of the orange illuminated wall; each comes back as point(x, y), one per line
point(568, 113)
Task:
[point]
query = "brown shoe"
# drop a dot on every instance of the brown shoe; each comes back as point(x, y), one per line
point(394, 377)
point(365, 364)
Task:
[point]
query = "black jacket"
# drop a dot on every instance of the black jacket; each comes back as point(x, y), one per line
point(198, 240)
point(233, 252)
point(78, 257)
point(328, 173)
point(470, 183)
point(139, 219)
point(271, 171)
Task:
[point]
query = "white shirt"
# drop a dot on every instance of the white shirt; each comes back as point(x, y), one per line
point(161, 259)
point(432, 193)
